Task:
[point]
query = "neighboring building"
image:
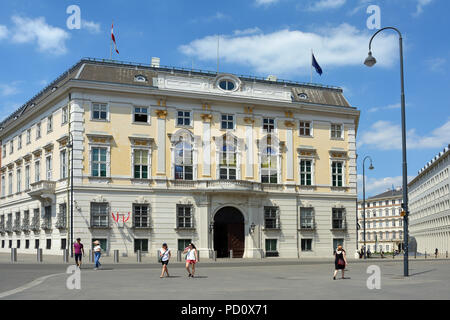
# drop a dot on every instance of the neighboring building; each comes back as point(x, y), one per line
point(384, 225)
point(429, 205)
point(172, 155)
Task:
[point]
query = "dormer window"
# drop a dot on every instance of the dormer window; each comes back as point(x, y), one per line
point(303, 96)
point(140, 78)
point(227, 85)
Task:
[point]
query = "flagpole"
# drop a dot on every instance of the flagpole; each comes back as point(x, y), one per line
point(110, 46)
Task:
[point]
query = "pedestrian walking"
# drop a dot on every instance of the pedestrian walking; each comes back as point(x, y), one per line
point(78, 250)
point(165, 255)
point(340, 261)
point(368, 253)
point(97, 254)
point(191, 259)
point(436, 253)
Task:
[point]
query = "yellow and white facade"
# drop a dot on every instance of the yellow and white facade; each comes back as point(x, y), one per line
point(262, 168)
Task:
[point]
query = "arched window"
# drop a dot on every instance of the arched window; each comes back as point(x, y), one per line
point(183, 161)
point(269, 162)
point(228, 159)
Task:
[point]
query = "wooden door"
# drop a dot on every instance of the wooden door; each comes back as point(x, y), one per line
point(236, 239)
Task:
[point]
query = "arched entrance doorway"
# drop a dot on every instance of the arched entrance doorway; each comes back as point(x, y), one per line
point(229, 233)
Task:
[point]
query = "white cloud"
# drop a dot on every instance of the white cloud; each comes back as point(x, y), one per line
point(265, 2)
point(288, 52)
point(8, 89)
point(3, 32)
point(91, 26)
point(385, 135)
point(436, 64)
point(247, 31)
point(375, 186)
point(420, 5)
point(388, 107)
point(48, 38)
point(326, 4)
point(218, 16)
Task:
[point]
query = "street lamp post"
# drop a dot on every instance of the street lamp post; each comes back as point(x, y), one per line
point(364, 201)
point(370, 62)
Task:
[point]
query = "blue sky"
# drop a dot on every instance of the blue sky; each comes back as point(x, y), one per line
point(258, 37)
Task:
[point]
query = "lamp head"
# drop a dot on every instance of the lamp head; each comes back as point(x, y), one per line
point(371, 167)
point(370, 60)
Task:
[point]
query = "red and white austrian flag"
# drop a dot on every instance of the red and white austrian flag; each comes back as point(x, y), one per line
point(114, 38)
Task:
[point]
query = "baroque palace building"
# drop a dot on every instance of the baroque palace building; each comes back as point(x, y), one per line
point(384, 224)
point(258, 166)
point(429, 205)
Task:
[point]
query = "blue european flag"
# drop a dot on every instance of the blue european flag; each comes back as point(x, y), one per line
point(316, 65)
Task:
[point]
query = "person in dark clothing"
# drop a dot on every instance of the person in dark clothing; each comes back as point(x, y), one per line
point(340, 261)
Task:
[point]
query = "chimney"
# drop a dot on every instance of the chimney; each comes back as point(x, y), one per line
point(156, 62)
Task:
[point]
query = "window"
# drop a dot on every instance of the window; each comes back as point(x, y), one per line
point(38, 130)
point(271, 218)
point(227, 159)
point(19, 180)
point(227, 85)
point(269, 167)
point(306, 244)
point(337, 174)
point(141, 115)
point(99, 162)
point(37, 171)
point(62, 216)
point(28, 136)
point(271, 248)
point(19, 142)
point(99, 215)
point(10, 183)
point(3, 186)
point(140, 78)
point(183, 118)
point(183, 161)
point(303, 96)
point(338, 220)
point(184, 217)
point(103, 244)
point(227, 122)
point(63, 244)
point(27, 244)
point(305, 128)
point(183, 243)
point(63, 163)
point(140, 164)
point(11, 147)
point(141, 216)
point(99, 111)
point(306, 172)
point(268, 125)
point(48, 168)
point(338, 242)
point(141, 245)
point(48, 244)
point(64, 115)
point(49, 124)
point(307, 218)
point(336, 131)
point(36, 243)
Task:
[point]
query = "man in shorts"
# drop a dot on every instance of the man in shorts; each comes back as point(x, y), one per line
point(78, 250)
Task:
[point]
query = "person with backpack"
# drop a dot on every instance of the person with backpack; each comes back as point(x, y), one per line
point(164, 256)
point(191, 259)
point(340, 261)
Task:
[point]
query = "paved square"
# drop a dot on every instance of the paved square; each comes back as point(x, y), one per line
point(286, 280)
